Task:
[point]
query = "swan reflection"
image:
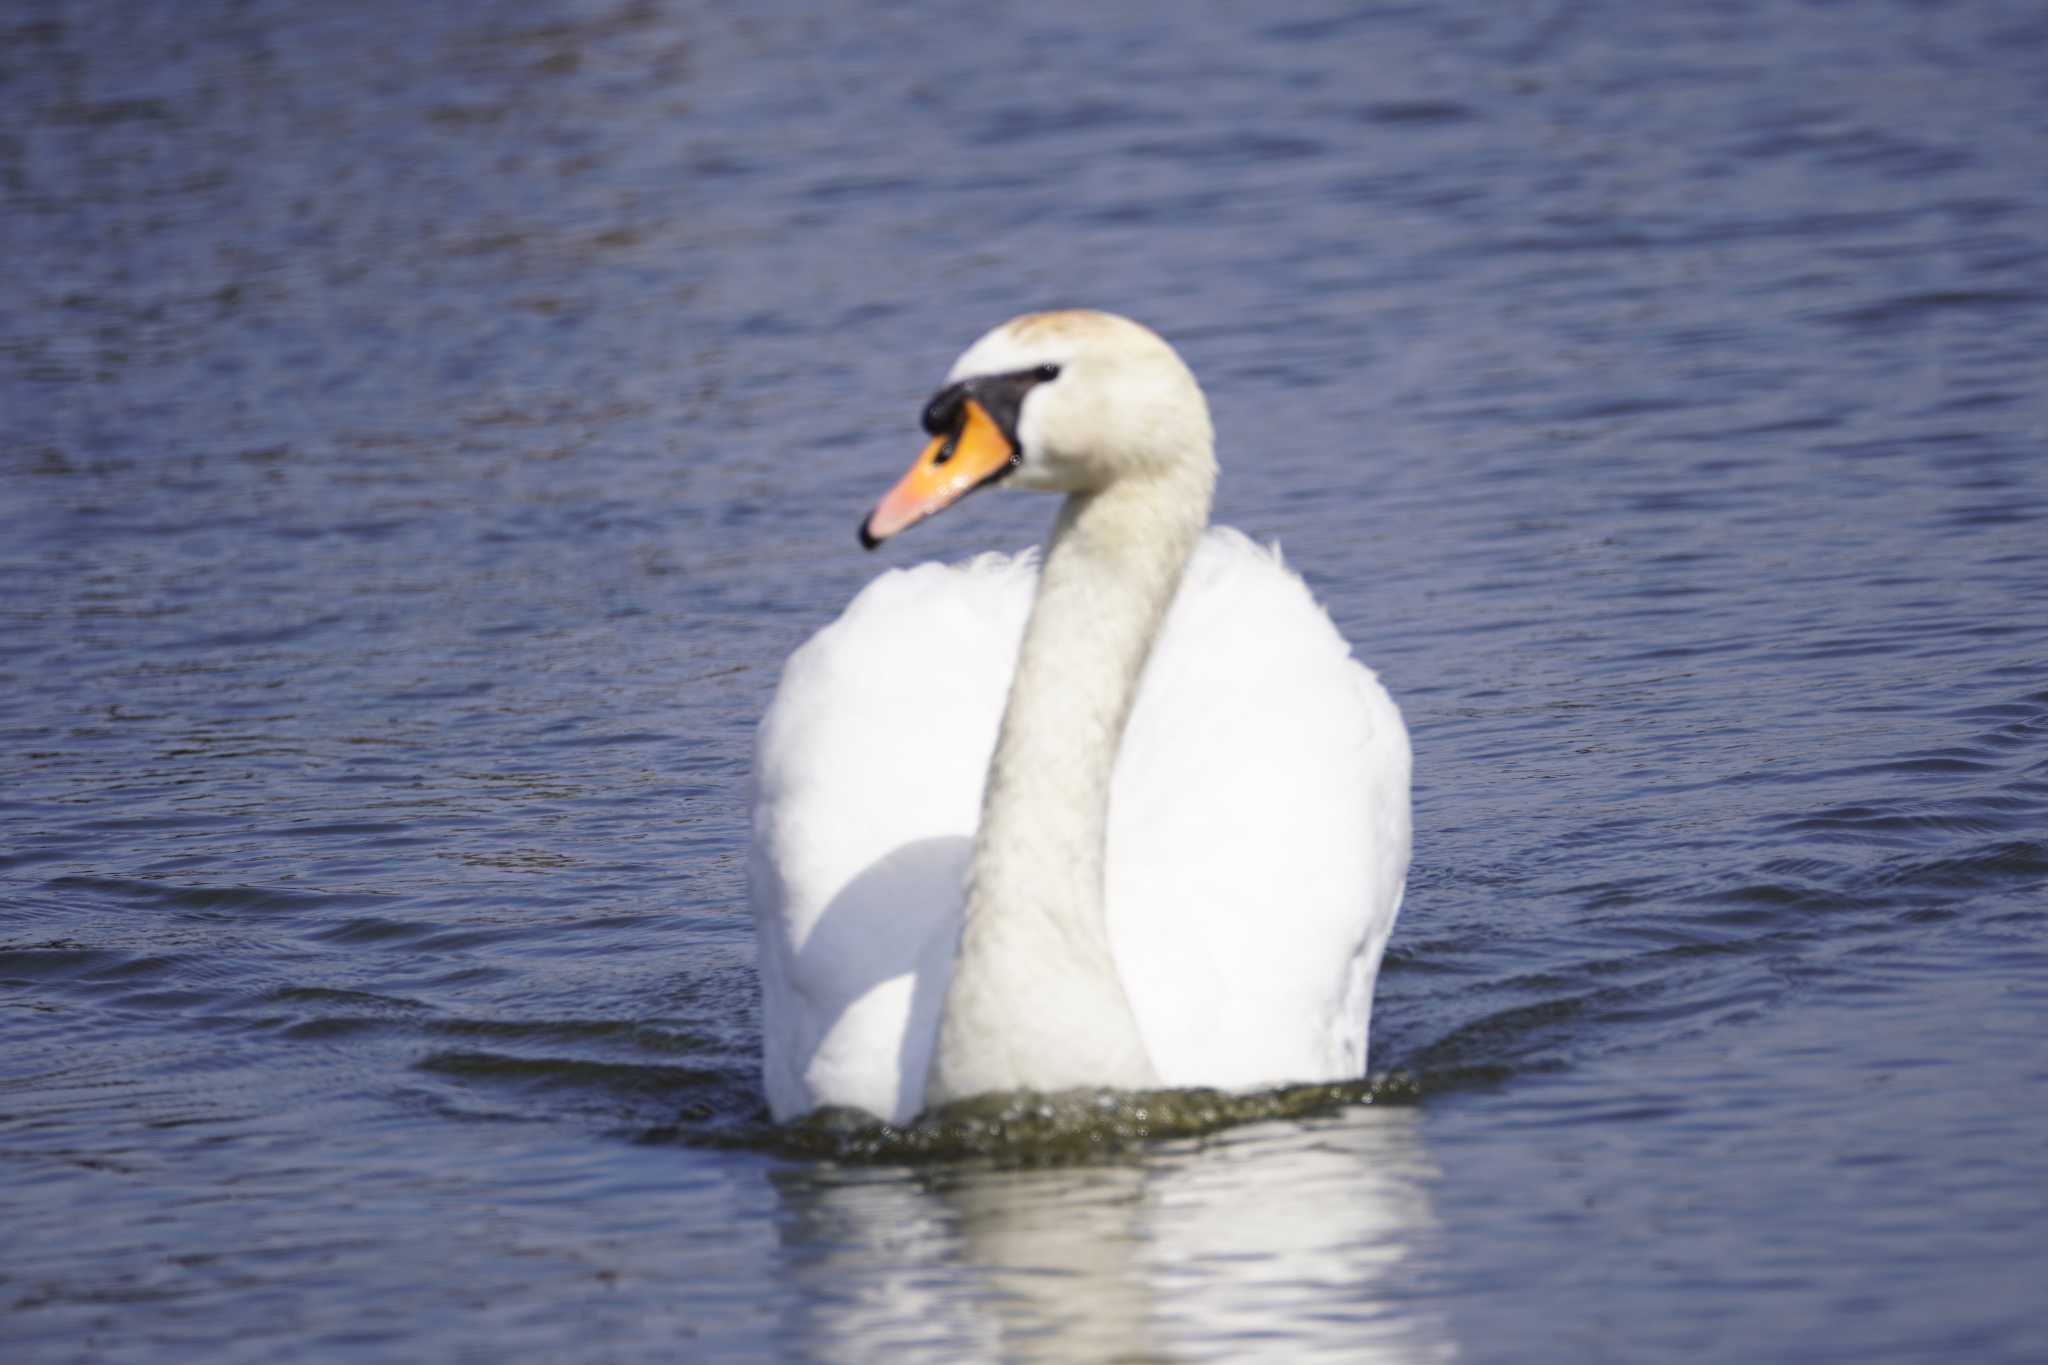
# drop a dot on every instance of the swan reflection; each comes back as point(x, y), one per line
point(1280, 1240)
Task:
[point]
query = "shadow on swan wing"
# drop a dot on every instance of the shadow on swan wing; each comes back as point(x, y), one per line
point(872, 974)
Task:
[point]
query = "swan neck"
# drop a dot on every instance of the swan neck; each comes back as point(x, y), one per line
point(1035, 1001)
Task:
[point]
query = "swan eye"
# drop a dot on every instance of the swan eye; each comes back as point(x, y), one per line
point(1045, 374)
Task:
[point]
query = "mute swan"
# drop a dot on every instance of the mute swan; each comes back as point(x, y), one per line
point(1132, 817)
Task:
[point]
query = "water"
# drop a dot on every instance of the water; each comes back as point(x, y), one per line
point(427, 429)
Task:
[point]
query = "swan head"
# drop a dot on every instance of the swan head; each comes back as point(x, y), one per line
point(1064, 402)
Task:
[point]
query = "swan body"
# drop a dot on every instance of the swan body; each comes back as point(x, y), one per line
point(1125, 815)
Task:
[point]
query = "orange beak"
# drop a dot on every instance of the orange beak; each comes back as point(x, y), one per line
point(952, 465)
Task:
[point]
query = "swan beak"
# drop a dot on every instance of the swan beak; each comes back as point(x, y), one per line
point(953, 464)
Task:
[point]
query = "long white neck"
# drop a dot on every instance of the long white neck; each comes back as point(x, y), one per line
point(1035, 1001)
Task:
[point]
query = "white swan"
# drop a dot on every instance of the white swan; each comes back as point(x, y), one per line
point(1171, 858)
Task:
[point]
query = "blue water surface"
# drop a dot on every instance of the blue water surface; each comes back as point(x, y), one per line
point(425, 429)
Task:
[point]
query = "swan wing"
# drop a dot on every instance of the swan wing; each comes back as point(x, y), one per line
point(868, 772)
point(1259, 832)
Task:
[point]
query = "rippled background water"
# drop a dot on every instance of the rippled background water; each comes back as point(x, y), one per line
point(424, 430)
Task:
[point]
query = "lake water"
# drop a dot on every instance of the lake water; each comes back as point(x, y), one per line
point(425, 429)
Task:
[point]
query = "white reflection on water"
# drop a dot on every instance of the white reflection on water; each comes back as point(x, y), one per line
point(1282, 1240)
